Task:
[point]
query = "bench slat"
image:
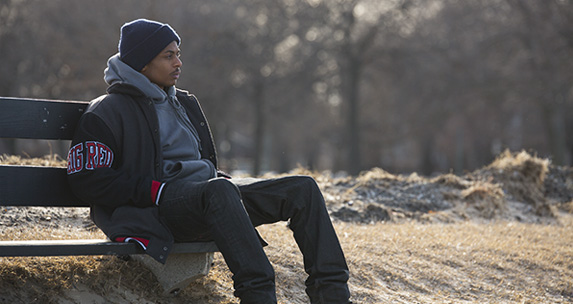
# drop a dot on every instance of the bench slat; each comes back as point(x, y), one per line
point(89, 247)
point(39, 118)
point(36, 186)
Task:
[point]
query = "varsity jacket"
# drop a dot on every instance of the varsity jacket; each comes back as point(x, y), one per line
point(115, 164)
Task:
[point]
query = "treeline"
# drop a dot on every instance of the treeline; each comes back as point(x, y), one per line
point(406, 85)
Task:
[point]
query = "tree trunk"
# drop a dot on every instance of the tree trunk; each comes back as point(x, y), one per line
point(353, 126)
point(557, 133)
point(259, 102)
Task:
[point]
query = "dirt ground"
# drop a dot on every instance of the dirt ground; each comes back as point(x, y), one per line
point(501, 234)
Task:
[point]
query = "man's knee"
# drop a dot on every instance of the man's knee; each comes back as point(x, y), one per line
point(221, 192)
point(310, 182)
point(304, 182)
point(308, 185)
point(221, 186)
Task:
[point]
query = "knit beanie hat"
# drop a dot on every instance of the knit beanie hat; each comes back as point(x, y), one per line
point(141, 40)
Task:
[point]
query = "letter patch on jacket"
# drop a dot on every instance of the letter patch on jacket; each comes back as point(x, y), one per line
point(75, 158)
point(89, 155)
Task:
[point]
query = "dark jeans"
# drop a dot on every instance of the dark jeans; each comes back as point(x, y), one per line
point(227, 211)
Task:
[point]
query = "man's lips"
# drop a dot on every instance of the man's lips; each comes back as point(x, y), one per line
point(176, 74)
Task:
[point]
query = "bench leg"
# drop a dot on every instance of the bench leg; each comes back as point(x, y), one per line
point(179, 270)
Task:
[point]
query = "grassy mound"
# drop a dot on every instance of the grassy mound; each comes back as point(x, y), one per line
point(498, 234)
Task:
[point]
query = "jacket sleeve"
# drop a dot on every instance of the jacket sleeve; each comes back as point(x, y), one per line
point(94, 169)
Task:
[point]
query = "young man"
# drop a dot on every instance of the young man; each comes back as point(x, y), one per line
point(144, 158)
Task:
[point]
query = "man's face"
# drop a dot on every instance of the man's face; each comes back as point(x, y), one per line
point(165, 68)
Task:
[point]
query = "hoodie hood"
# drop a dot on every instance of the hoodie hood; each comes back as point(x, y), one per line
point(180, 142)
point(118, 72)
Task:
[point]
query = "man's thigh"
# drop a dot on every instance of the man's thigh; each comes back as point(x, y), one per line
point(180, 208)
point(272, 200)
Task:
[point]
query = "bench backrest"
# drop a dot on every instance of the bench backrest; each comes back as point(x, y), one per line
point(37, 119)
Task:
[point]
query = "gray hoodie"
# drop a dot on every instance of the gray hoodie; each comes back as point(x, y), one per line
point(179, 140)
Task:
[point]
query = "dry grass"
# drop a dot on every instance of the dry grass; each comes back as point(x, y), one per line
point(447, 239)
point(501, 262)
point(523, 177)
point(468, 262)
point(52, 160)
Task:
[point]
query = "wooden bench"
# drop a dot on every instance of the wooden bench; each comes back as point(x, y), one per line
point(47, 186)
